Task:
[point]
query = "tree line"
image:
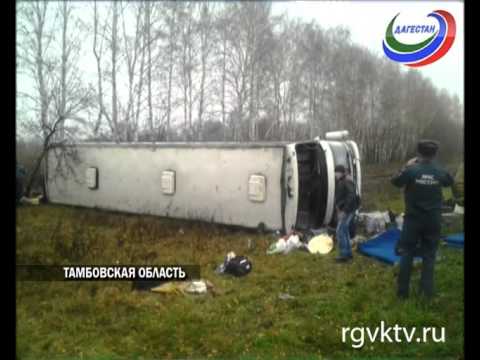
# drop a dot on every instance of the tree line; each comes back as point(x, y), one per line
point(208, 71)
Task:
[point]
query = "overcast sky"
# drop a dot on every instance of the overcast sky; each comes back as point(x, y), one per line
point(368, 21)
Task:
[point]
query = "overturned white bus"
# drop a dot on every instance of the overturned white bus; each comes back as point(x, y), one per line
point(274, 185)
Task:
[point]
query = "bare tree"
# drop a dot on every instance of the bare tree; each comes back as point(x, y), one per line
point(114, 50)
point(171, 15)
point(257, 32)
point(139, 88)
point(187, 64)
point(60, 95)
point(222, 27)
point(148, 45)
point(205, 29)
point(133, 49)
point(97, 51)
point(265, 77)
point(32, 46)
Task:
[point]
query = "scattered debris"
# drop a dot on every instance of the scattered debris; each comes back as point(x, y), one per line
point(220, 269)
point(375, 222)
point(198, 287)
point(452, 219)
point(315, 241)
point(359, 239)
point(293, 242)
point(238, 266)
point(320, 244)
point(174, 287)
point(455, 240)
point(399, 221)
point(31, 201)
point(285, 296)
point(448, 206)
point(277, 247)
point(235, 265)
point(458, 209)
point(286, 244)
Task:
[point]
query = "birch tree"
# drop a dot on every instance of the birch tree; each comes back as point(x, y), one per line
point(60, 98)
point(205, 29)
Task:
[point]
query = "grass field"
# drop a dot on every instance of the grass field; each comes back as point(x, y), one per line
point(244, 320)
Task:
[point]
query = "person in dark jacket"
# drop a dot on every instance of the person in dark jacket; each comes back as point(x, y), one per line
point(345, 204)
point(423, 180)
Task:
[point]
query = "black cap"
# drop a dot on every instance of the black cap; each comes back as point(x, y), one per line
point(340, 169)
point(427, 148)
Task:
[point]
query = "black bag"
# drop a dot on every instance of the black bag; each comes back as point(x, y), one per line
point(238, 266)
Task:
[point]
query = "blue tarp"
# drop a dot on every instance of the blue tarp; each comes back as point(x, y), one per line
point(382, 247)
point(455, 240)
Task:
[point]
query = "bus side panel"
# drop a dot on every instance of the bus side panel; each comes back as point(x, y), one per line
point(210, 184)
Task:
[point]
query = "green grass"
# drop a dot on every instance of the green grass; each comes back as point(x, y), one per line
point(245, 320)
